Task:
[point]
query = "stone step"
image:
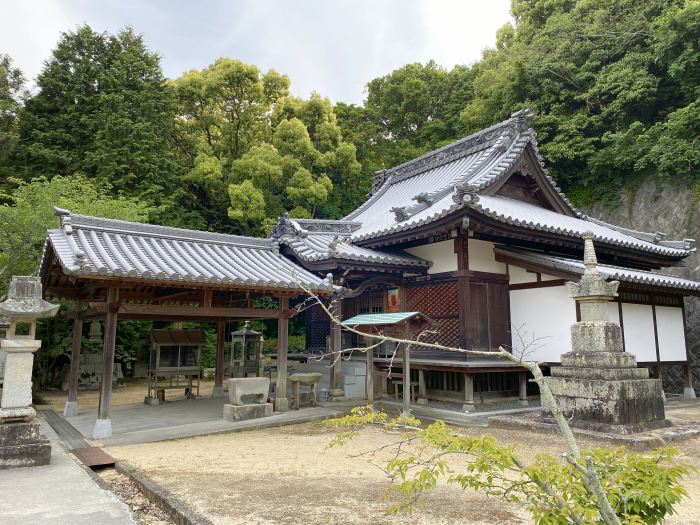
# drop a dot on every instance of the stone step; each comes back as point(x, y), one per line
point(604, 374)
point(599, 360)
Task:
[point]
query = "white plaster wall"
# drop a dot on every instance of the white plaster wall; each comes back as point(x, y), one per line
point(520, 275)
point(546, 277)
point(482, 258)
point(546, 313)
point(638, 321)
point(441, 254)
point(669, 324)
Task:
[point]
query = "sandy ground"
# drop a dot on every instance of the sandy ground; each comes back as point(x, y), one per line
point(287, 476)
point(131, 393)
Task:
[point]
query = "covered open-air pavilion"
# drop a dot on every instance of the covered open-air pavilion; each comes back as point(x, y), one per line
point(117, 271)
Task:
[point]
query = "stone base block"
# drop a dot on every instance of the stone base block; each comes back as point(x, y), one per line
point(626, 402)
point(422, 401)
point(103, 429)
point(218, 392)
point(523, 402)
point(148, 400)
point(468, 407)
point(243, 412)
point(689, 393)
point(281, 404)
point(9, 415)
point(593, 335)
point(22, 445)
point(71, 409)
point(603, 374)
point(598, 360)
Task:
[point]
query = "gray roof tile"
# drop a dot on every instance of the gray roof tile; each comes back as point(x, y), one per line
point(105, 247)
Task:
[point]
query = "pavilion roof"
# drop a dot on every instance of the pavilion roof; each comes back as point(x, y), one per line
point(97, 247)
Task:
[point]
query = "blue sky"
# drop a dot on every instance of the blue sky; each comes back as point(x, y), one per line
point(333, 47)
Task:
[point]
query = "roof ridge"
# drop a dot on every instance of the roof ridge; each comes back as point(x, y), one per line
point(70, 220)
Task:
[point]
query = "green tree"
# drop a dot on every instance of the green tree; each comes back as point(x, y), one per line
point(12, 95)
point(103, 111)
point(28, 212)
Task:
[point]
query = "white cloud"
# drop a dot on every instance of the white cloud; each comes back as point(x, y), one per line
point(334, 48)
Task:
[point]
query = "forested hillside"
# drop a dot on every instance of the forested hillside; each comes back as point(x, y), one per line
point(615, 85)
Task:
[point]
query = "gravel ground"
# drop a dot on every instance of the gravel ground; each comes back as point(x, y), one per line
point(131, 393)
point(126, 490)
point(287, 475)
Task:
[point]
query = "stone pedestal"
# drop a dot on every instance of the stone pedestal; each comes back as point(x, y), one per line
point(22, 445)
point(598, 386)
point(243, 412)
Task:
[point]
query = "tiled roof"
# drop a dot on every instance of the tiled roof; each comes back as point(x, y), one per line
point(613, 273)
point(111, 248)
point(441, 182)
point(534, 217)
point(324, 240)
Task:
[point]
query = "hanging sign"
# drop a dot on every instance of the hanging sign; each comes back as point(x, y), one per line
point(392, 302)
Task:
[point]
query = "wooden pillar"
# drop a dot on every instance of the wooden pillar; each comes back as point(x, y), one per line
point(468, 393)
point(369, 378)
point(71, 408)
point(336, 391)
point(281, 401)
point(463, 285)
point(522, 377)
point(406, 379)
point(103, 425)
point(422, 396)
point(688, 390)
point(218, 390)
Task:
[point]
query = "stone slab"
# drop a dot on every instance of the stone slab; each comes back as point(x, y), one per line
point(603, 374)
point(25, 455)
point(245, 412)
point(598, 360)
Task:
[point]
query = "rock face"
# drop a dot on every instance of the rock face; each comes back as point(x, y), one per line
point(598, 384)
point(671, 209)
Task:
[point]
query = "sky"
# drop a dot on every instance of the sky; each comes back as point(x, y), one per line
point(333, 47)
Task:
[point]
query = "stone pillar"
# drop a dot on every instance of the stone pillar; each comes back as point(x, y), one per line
point(218, 390)
point(522, 378)
point(688, 390)
point(21, 444)
point(406, 379)
point(71, 408)
point(103, 424)
point(422, 396)
point(281, 401)
point(599, 386)
point(336, 375)
point(468, 405)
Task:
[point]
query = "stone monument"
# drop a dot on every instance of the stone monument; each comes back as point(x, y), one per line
point(21, 444)
point(598, 385)
point(239, 387)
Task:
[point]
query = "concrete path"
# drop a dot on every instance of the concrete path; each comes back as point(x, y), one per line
point(61, 493)
point(140, 423)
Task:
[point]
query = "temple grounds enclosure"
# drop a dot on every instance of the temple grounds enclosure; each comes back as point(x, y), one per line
point(286, 475)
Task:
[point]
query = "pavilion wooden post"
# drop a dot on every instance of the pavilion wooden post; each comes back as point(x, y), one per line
point(369, 378)
point(281, 401)
point(71, 408)
point(522, 378)
point(406, 379)
point(468, 405)
point(422, 391)
point(218, 390)
point(103, 425)
point(336, 391)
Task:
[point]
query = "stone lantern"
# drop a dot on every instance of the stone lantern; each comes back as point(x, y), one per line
point(20, 442)
point(598, 385)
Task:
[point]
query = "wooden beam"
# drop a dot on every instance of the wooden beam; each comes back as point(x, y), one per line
point(192, 312)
